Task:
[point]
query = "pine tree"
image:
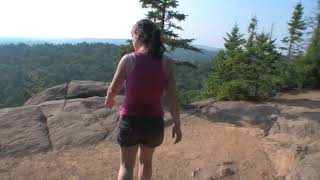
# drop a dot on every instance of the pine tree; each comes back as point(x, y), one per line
point(252, 31)
point(234, 42)
point(247, 69)
point(296, 27)
point(251, 41)
point(265, 66)
point(312, 58)
point(226, 68)
point(163, 13)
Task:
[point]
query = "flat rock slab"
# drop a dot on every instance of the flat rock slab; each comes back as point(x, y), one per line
point(83, 89)
point(240, 113)
point(71, 90)
point(306, 169)
point(23, 131)
point(71, 129)
point(53, 93)
point(80, 121)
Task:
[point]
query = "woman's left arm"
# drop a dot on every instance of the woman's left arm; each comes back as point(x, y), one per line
point(117, 81)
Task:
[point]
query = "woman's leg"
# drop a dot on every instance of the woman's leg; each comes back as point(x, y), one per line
point(127, 161)
point(145, 162)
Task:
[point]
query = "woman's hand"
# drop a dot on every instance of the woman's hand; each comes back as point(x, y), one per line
point(176, 132)
point(109, 102)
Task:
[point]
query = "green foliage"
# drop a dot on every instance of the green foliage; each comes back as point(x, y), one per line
point(308, 65)
point(234, 42)
point(248, 69)
point(190, 80)
point(126, 48)
point(26, 70)
point(234, 90)
point(296, 27)
point(163, 13)
point(34, 82)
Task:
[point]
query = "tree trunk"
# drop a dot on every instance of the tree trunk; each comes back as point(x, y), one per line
point(163, 17)
point(290, 49)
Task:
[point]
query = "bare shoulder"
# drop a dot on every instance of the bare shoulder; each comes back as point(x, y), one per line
point(125, 59)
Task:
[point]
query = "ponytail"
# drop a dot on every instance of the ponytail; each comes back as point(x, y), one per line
point(157, 48)
point(150, 35)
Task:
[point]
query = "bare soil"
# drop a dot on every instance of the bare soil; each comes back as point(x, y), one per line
point(208, 151)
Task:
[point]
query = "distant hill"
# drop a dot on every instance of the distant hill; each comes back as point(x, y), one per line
point(191, 56)
point(28, 69)
point(178, 54)
point(33, 41)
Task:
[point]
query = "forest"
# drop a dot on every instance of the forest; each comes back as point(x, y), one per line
point(252, 67)
point(25, 70)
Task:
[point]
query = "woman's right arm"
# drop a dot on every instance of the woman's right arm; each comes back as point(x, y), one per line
point(173, 102)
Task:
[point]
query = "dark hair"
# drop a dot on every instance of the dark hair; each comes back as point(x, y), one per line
point(150, 35)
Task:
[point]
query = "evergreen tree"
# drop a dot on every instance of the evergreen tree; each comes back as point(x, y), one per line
point(296, 28)
point(312, 57)
point(163, 13)
point(250, 43)
point(226, 68)
point(248, 69)
point(265, 66)
point(234, 42)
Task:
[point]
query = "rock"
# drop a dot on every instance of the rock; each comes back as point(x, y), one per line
point(81, 121)
point(240, 113)
point(49, 107)
point(23, 131)
point(194, 172)
point(72, 90)
point(227, 168)
point(211, 178)
point(226, 171)
point(56, 124)
point(299, 127)
point(306, 169)
point(315, 116)
point(53, 93)
point(314, 147)
point(84, 89)
point(71, 129)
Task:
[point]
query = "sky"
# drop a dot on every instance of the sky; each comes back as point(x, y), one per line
point(207, 20)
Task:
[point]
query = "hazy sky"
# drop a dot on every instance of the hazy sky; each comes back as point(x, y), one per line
point(207, 21)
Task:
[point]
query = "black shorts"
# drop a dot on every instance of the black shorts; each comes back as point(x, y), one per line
point(134, 130)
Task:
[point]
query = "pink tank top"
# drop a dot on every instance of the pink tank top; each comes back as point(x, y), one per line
point(144, 88)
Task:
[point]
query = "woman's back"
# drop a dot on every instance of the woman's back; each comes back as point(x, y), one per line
point(147, 74)
point(145, 83)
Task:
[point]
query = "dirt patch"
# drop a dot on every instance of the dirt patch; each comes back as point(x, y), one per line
point(208, 150)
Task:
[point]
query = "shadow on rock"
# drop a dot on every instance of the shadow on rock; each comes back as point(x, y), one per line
point(305, 103)
point(239, 113)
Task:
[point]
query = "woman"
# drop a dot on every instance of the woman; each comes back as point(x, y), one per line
point(148, 75)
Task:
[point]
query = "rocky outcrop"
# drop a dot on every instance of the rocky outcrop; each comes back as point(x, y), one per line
point(23, 130)
point(62, 116)
point(239, 113)
point(71, 90)
point(74, 114)
point(82, 121)
point(84, 89)
point(53, 93)
point(291, 125)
